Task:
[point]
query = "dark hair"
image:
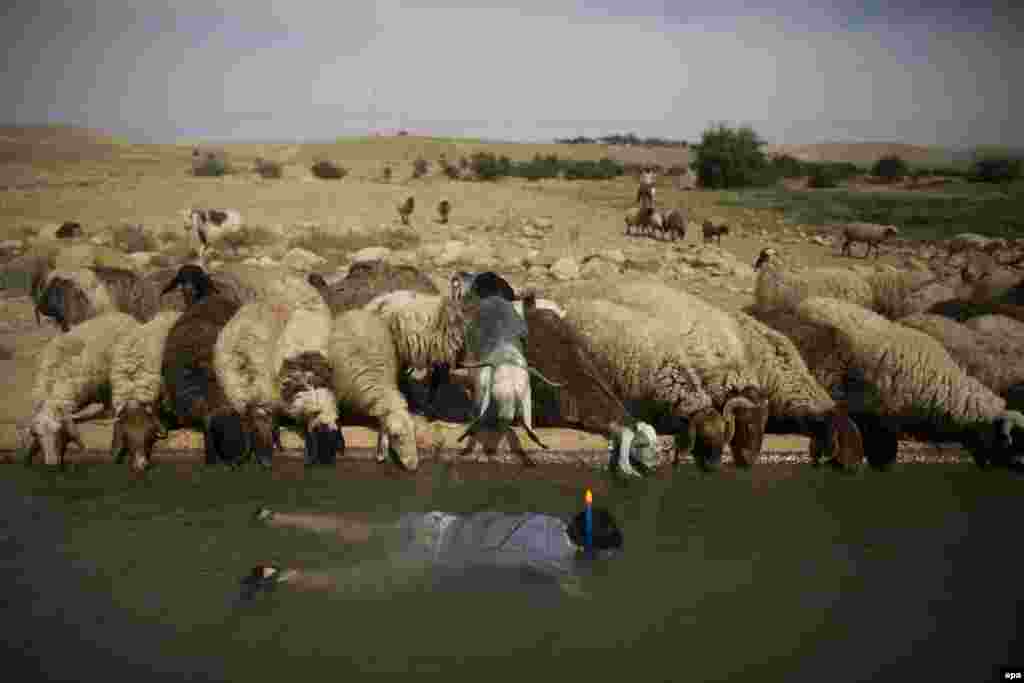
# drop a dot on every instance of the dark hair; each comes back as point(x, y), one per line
point(606, 532)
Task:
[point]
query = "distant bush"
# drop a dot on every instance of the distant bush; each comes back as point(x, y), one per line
point(995, 170)
point(452, 171)
point(822, 176)
point(327, 170)
point(890, 168)
point(786, 166)
point(730, 157)
point(386, 174)
point(269, 169)
point(463, 163)
point(604, 169)
point(487, 166)
point(420, 167)
point(209, 167)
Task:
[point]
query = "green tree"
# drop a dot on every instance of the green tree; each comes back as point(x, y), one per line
point(729, 157)
point(890, 168)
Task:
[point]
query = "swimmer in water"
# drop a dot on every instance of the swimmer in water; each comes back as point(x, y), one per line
point(539, 544)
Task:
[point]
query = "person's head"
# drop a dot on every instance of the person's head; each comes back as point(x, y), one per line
point(606, 534)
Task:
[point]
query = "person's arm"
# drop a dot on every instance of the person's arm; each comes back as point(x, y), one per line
point(349, 529)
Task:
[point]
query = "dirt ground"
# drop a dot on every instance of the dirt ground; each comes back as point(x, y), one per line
point(150, 185)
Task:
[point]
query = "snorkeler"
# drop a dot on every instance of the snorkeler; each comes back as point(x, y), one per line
point(540, 544)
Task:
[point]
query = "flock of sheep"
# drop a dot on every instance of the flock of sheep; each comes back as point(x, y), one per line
point(239, 351)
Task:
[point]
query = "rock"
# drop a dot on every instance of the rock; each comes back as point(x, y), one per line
point(371, 254)
point(597, 268)
point(823, 241)
point(565, 269)
point(542, 223)
point(537, 272)
point(11, 244)
point(532, 232)
point(302, 259)
point(613, 256)
point(103, 239)
point(143, 259)
point(451, 252)
point(263, 261)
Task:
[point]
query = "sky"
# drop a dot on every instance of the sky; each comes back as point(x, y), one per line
point(927, 73)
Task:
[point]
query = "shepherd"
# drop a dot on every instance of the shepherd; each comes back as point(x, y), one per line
point(645, 193)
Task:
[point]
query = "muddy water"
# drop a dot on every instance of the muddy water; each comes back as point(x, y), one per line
point(781, 573)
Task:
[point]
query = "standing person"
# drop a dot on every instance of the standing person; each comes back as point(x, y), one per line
point(541, 545)
point(645, 193)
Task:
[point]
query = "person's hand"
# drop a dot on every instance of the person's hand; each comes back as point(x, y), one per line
point(572, 587)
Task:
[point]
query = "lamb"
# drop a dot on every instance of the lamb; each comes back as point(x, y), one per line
point(870, 234)
point(272, 360)
point(714, 229)
point(910, 383)
point(192, 395)
point(365, 371)
point(989, 358)
point(586, 399)
point(73, 372)
point(444, 208)
point(675, 224)
point(495, 340)
point(405, 209)
point(136, 387)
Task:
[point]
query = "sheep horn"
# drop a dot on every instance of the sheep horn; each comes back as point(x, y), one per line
point(536, 373)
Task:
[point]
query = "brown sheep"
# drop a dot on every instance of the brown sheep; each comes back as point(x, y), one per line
point(713, 230)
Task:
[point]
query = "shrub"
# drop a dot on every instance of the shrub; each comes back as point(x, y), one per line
point(420, 167)
point(463, 163)
point(386, 174)
point(452, 171)
point(209, 167)
point(995, 170)
point(269, 169)
point(728, 157)
point(133, 238)
point(327, 170)
point(593, 170)
point(890, 168)
point(486, 166)
point(822, 176)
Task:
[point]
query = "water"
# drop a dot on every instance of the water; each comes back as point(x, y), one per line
point(782, 573)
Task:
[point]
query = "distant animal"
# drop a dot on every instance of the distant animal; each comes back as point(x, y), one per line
point(713, 230)
point(444, 208)
point(205, 225)
point(675, 224)
point(869, 233)
point(405, 209)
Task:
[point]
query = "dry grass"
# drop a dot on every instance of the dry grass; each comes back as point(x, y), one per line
point(246, 236)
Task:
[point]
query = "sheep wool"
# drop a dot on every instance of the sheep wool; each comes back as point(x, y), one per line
point(135, 370)
point(780, 288)
point(914, 375)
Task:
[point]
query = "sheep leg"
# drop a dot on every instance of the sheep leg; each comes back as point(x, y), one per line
point(439, 375)
point(309, 448)
point(213, 454)
point(526, 409)
point(383, 445)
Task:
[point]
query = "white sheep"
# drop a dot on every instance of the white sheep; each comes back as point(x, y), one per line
point(271, 360)
point(73, 371)
point(870, 234)
point(365, 367)
point(913, 381)
point(136, 386)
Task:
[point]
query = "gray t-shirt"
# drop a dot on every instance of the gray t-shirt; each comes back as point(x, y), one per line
point(491, 539)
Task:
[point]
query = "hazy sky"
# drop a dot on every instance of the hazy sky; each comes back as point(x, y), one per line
point(916, 72)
